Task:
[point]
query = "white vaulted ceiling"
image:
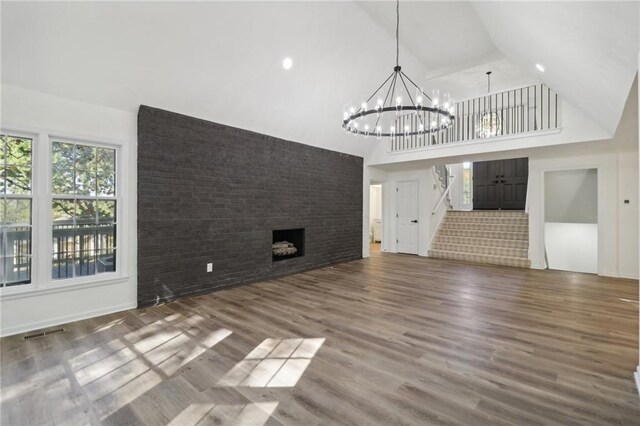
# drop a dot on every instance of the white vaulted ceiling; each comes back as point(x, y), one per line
point(589, 49)
point(221, 61)
point(444, 36)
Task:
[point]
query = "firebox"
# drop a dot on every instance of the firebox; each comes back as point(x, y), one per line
point(287, 244)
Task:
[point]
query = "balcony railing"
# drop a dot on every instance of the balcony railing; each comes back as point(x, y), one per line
point(83, 250)
point(511, 112)
point(78, 251)
point(16, 266)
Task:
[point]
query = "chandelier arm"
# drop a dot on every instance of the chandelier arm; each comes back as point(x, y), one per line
point(410, 98)
point(393, 89)
point(414, 85)
point(375, 126)
point(381, 86)
point(395, 75)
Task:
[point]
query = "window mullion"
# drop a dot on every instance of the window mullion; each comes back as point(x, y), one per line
point(42, 217)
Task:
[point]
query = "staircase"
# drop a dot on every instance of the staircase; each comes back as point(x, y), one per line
point(497, 237)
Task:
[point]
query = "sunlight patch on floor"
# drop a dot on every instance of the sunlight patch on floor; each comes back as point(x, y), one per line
point(273, 363)
point(251, 414)
point(122, 370)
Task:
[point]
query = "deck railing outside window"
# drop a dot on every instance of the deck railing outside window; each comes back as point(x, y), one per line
point(83, 251)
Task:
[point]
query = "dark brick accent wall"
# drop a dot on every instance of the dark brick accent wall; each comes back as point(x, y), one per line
point(214, 193)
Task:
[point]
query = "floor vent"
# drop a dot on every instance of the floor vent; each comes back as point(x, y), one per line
point(42, 334)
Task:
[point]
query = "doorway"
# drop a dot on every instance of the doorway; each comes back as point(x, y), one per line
point(407, 241)
point(571, 220)
point(500, 184)
point(375, 214)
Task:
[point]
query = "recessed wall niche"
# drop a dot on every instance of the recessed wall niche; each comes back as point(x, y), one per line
point(287, 244)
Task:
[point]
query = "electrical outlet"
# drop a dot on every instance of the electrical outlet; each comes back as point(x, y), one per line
point(209, 267)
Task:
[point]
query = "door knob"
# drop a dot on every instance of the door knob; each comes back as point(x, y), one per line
point(414, 221)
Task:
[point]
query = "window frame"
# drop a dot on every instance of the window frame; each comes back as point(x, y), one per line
point(116, 198)
point(42, 281)
point(32, 196)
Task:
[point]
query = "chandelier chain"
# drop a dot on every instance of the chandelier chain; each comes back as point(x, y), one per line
point(397, 32)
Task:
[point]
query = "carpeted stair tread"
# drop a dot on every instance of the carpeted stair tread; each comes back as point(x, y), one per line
point(519, 262)
point(484, 236)
point(487, 213)
point(499, 235)
point(505, 227)
point(487, 242)
point(485, 219)
point(478, 249)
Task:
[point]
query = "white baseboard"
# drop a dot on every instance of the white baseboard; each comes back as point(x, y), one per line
point(50, 322)
point(636, 374)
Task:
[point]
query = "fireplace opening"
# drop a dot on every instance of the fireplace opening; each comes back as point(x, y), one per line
point(287, 244)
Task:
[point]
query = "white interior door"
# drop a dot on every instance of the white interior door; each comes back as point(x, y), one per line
point(408, 217)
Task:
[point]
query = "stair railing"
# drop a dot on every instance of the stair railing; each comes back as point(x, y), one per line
point(445, 195)
point(442, 175)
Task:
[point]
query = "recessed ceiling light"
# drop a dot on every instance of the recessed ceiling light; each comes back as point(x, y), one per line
point(540, 67)
point(287, 63)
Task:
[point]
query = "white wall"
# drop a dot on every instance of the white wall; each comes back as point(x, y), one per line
point(572, 246)
point(618, 222)
point(571, 196)
point(34, 112)
point(616, 160)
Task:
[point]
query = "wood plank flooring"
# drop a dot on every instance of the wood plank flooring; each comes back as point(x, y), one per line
point(388, 340)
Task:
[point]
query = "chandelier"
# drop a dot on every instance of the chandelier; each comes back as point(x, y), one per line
point(490, 123)
point(386, 113)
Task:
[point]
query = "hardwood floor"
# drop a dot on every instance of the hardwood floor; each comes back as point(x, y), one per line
point(393, 339)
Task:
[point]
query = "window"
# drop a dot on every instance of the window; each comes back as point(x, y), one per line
point(83, 187)
point(15, 219)
point(466, 182)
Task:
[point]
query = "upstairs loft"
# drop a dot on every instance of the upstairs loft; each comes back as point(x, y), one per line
point(515, 112)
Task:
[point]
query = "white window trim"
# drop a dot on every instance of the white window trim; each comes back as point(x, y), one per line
point(33, 137)
point(42, 223)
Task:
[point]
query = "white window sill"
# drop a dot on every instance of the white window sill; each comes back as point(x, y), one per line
point(60, 286)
